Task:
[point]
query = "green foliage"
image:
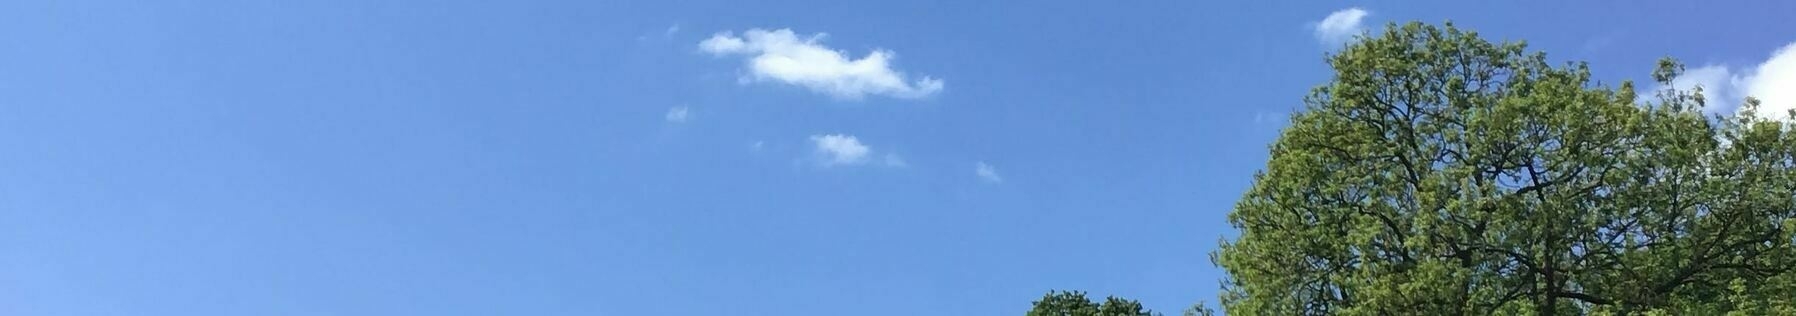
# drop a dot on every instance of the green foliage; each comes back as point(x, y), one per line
point(1443, 174)
point(1199, 309)
point(1074, 303)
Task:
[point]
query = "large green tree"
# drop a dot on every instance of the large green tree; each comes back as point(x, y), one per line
point(1442, 174)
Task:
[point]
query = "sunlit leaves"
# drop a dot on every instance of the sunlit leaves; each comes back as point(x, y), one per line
point(1440, 173)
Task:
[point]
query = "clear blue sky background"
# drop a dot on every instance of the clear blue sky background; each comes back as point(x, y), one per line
point(514, 157)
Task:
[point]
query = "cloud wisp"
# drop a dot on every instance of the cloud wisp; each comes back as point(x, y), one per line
point(782, 56)
point(987, 172)
point(1341, 26)
point(846, 150)
point(839, 149)
point(678, 114)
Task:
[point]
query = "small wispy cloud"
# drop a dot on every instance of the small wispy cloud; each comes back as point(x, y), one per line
point(987, 172)
point(1341, 26)
point(1724, 87)
point(782, 56)
point(678, 114)
point(839, 149)
point(671, 30)
point(844, 150)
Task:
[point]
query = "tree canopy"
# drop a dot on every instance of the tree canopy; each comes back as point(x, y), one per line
point(1074, 303)
point(1439, 173)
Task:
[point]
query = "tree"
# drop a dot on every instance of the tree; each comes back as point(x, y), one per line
point(1442, 174)
point(1074, 303)
point(1199, 309)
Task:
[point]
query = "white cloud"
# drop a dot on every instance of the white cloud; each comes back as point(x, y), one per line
point(1717, 83)
point(841, 149)
point(1774, 82)
point(987, 173)
point(671, 30)
point(723, 43)
point(757, 145)
point(1725, 88)
point(678, 114)
point(780, 55)
point(838, 149)
point(1341, 26)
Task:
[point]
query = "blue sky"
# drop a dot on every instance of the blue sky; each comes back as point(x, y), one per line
point(600, 158)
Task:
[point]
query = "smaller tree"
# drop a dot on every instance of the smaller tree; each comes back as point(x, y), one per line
point(1200, 309)
point(1074, 303)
